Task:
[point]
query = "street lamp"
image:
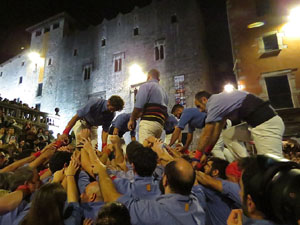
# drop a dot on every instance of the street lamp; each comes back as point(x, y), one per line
point(136, 74)
point(35, 58)
point(291, 28)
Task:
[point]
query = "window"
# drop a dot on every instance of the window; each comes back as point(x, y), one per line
point(38, 33)
point(262, 7)
point(87, 72)
point(47, 29)
point(49, 62)
point(38, 106)
point(40, 90)
point(23, 63)
point(20, 80)
point(103, 42)
point(75, 52)
point(118, 61)
point(159, 52)
point(174, 19)
point(179, 90)
point(271, 42)
point(279, 91)
point(136, 31)
point(1, 74)
point(118, 65)
point(55, 26)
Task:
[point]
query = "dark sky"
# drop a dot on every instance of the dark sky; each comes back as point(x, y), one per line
point(17, 15)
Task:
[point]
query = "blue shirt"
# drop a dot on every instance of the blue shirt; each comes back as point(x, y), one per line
point(82, 181)
point(11, 216)
point(151, 92)
point(91, 209)
point(193, 117)
point(140, 187)
point(249, 221)
point(166, 209)
point(121, 122)
point(221, 105)
point(220, 204)
point(170, 124)
point(95, 112)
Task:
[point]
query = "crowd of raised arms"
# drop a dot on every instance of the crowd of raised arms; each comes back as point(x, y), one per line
point(242, 170)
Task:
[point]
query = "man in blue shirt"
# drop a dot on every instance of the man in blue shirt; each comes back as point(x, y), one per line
point(221, 195)
point(97, 112)
point(178, 204)
point(195, 119)
point(172, 121)
point(144, 185)
point(151, 105)
point(265, 125)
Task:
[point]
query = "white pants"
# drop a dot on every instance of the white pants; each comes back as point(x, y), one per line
point(268, 136)
point(149, 128)
point(221, 152)
point(81, 124)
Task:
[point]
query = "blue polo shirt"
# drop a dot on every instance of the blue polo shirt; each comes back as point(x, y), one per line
point(91, 209)
point(170, 124)
point(151, 92)
point(248, 221)
point(96, 114)
point(11, 216)
point(221, 105)
point(140, 187)
point(166, 209)
point(193, 117)
point(220, 204)
point(121, 122)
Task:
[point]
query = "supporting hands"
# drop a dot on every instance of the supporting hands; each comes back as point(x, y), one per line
point(235, 217)
point(72, 168)
point(131, 124)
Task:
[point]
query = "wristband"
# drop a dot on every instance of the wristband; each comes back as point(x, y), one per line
point(198, 154)
point(58, 143)
point(208, 149)
point(37, 154)
point(103, 145)
point(67, 130)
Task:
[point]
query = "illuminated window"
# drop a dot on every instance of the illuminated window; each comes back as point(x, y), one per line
point(40, 90)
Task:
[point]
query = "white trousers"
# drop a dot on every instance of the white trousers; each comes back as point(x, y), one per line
point(81, 124)
point(149, 128)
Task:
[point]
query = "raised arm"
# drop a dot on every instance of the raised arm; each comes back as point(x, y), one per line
point(175, 136)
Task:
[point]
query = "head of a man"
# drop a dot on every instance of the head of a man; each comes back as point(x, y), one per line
point(131, 148)
point(11, 131)
point(91, 193)
point(215, 167)
point(153, 74)
point(25, 176)
point(115, 103)
point(144, 161)
point(177, 110)
point(201, 99)
point(179, 177)
point(113, 213)
point(59, 160)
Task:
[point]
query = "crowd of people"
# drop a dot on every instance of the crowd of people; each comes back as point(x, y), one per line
point(149, 180)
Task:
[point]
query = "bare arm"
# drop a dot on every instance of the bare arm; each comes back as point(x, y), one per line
point(72, 122)
point(72, 192)
point(209, 181)
point(11, 201)
point(205, 137)
point(176, 134)
point(189, 140)
point(116, 131)
point(12, 167)
point(136, 113)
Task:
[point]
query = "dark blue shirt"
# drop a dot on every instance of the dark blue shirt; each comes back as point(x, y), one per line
point(91, 209)
point(121, 122)
point(193, 117)
point(95, 112)
point(170, 124)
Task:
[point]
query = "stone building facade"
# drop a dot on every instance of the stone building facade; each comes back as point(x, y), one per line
point(76, 64)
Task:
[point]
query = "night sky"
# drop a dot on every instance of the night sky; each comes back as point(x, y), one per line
point(17, 15)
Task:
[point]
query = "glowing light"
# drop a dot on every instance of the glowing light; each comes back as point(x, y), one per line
point(256, 24)
point(136, 74)
point(22, 48)
point(292, 28)
point(35, 58)
point(228, 88)
point(241, 87)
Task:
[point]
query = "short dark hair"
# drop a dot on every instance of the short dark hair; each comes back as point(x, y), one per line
point(201, 94)
point(113, 213)
point(131, 148)
point(220, 165)
point(154, 73)
point(117, 102)
point(176, 182)
point(58, 160)
point(5, 180)
point(144, 161)
point(175, 107)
